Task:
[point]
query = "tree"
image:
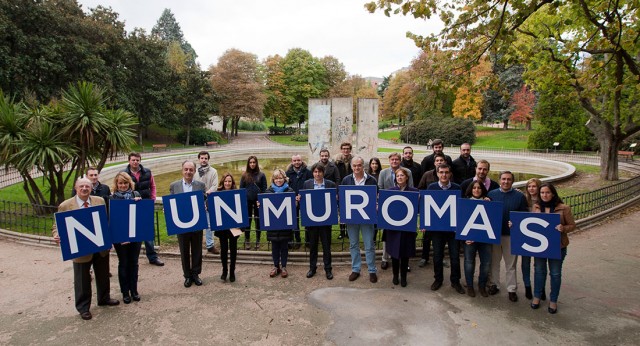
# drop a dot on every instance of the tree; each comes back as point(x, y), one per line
point(336, 77)
point(304, 78)
point(168, 29)
point(506, 81)
point(238, 84)
point(523, 102)
point(469, 95)
point(590, 46)
point(276, 106)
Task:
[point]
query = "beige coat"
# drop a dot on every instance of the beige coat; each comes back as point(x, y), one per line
point(566, 220)
point(70, 204)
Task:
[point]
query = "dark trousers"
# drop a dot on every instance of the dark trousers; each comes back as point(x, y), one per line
point(400, 265)
point(296, 232)
point(323, 233)
point(128, 255)
point(426, 246)
point(191, 253)
point(279, 252)
point(82, 281)
point(440, 239)
point(252, 208)
point(228, 243)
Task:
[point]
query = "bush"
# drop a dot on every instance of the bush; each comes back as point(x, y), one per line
point(277, 131)
point(452, 131)
point(199, 136)
point(251, 126)
point(300, 138)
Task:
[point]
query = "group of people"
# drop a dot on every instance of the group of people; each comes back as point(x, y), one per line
point(437, 171)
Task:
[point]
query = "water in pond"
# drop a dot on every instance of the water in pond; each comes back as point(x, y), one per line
point(236, 168)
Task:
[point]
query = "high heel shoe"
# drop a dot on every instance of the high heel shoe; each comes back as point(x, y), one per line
point(535, 306)
point(552, 310)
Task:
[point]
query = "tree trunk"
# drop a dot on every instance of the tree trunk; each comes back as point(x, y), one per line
point(275, 121)
point(608, 158)
point(505, 124)
point(188, 135)
point(527, 125)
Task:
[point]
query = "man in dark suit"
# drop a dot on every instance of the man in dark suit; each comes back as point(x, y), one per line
point(440, 239)
point(464, 167)
point(322, 232)
point(82, 265)
point(190, 243)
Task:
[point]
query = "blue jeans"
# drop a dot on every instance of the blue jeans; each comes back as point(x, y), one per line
point(484, 251)
point(369, 247)
point(526, 270)
point(208, 235)
point(555, 274)
point(440, 239)
point(150, 251)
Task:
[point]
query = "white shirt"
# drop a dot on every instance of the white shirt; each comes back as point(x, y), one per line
point(187, 187)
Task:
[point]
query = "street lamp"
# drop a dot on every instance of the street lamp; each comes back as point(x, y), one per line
point(555, 146)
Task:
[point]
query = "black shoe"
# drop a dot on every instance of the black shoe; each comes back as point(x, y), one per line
point(513, 296)
point(395, 280)
point(223, 277)
point(329, 275)
point(135, 296)
point(543, 296)
point(384, 265)
point(535, 306)
point(403, 282)
point(456, 286)
point(552, 310)
point(86, 315)
point(311, 273)
point(126, 298)
point(197, 280)
point(157, 262)
point(483, 291)
point(436, 285)
point(188, 282)
point(109, 302)
point(527, 292)
point(493, 290)
point(232, 277)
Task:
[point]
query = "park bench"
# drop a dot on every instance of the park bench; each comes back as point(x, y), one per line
point(157, 147)
point(627, 155)
point(212, 144)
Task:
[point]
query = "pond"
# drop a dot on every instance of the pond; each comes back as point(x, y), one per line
point(236, 168)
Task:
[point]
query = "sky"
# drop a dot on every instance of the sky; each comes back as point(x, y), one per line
point(369, 45)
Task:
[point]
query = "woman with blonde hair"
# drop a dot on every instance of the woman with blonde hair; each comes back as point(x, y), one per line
point(279, 239)
point(128, 252)
point(228, 242)
point(532, 193)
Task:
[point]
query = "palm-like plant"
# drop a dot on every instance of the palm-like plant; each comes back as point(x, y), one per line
point(83, 120)
point(121, 136)
point(12, 124)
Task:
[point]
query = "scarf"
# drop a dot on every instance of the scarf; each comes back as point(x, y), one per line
point(551, 205)
point(124, 195)
point(202, 170)
point(279, 189)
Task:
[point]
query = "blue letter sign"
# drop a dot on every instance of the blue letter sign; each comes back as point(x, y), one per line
point(535, 234)
point(480, 221)
point(358, 204)
point(438, 210)
point(318, 207)
point(131, 221)
point(398, 210)
point(184, 212)
point(278, 211)
point(228, 209)
point(83, 231)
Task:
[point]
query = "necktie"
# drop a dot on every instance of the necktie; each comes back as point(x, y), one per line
point(85, 204)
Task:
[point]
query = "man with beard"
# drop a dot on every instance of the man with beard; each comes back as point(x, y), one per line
point(414, 167)
point(464, 167)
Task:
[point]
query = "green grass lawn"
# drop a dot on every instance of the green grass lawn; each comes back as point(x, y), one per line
point(506, 139)
point(390, 135)
point(286, 140)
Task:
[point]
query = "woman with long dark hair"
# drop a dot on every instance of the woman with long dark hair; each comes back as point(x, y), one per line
point(550, 202)
point(374, 168)
point(228, 242)
point(477, 191)
point(255, 182)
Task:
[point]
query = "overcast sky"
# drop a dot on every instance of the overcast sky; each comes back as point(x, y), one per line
point(371, 45)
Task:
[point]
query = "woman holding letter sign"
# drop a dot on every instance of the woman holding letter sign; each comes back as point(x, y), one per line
point(532, 193)
point(279, 239)
point(228, 241)
point(400, 244)
point(128, 253)
point(477, 191)
point(549, 202)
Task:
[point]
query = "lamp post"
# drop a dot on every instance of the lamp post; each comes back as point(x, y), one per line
point(555, 146)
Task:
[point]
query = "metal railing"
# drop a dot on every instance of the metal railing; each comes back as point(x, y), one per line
point(26, 218)
point(593, 202)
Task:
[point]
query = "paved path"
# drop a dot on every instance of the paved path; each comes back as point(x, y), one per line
point(598, 304)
